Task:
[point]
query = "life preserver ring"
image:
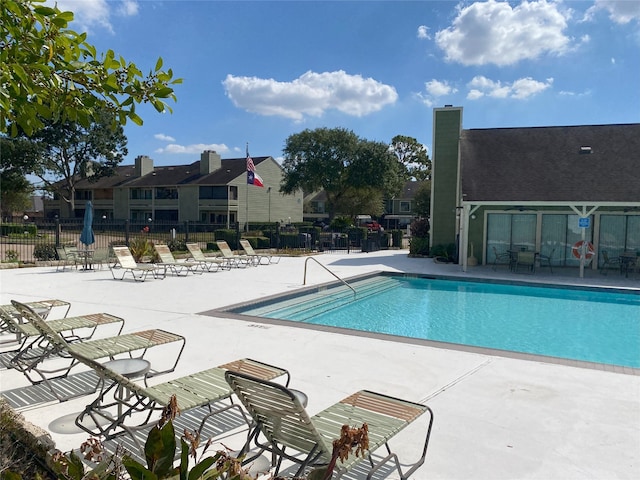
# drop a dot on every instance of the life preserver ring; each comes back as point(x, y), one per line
point(577, 250)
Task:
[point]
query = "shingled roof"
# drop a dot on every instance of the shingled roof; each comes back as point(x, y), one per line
point(592, 163)
point(173, 175)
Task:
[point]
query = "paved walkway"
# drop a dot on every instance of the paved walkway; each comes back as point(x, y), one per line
point(495, 417)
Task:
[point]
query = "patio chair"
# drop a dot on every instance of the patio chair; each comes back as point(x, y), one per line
point(210, 264)
point(139, 271)
point(609, 262)
point(55, 346)
point(546, 260)
point(500, 258)
point(237, 261)
point(123, 405)
point(526, 260)
point(99, 257)
point(283, 421)
point(66, 259)
point(258, 258)
point(26, 336)
point(169, 261)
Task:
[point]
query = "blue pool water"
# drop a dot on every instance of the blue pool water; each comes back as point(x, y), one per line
point(588, 325)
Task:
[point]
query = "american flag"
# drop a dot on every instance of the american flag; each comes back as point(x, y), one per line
point(252, 177)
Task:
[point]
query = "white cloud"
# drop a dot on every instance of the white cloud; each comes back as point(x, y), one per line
point(193, 148)
point(89, 14)
point(164, 138)
point(522, 88)
point(312, 94)
point(437, 88)
point(620, 11)
point(495, 33)
point(423, 32)
point(434, 90)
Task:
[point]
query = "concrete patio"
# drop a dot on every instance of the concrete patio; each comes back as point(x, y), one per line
point(495, 417)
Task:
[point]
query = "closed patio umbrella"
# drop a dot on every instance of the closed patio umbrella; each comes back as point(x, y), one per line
point(87, 237)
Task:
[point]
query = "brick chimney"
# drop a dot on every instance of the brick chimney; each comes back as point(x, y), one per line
point(144, 165)
point(210, 161)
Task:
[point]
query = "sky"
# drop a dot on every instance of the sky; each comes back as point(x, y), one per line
point(256, 72)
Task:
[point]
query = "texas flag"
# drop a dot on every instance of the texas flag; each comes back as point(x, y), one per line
point(252, 177)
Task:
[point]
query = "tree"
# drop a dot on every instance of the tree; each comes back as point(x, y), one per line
point(339, 162)
point(51, 73)
point(422, 200)
point(16, 157)
point(413, 156)
point(69, 152)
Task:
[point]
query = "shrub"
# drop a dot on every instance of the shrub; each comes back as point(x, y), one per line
point(420, 228)
point(45, 251)
point(229, 236)
point(142, 247)
point(177, 245)
point(419, 246)
point(396, 238)
point(11, 256)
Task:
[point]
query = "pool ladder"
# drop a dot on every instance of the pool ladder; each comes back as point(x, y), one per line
point(304, 281)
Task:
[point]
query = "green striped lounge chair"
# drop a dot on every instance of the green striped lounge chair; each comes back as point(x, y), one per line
point(123, 405)
point(34, 364)
point(286, 430)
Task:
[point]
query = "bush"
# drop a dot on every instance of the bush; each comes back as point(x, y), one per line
point(11, 256)
point(419, 246)
point(445, 253)
point(229, 236)
point(18, 229)
point(420, 228)
point(45, 251)
point(142, 247)
point(339, 224)
point(177, 245)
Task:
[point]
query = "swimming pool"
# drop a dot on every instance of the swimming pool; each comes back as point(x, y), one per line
point(586, 325)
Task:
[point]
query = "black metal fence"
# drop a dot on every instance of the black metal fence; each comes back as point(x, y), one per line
point(28, 241)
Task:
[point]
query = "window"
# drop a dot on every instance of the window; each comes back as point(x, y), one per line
point(317, 207)
point(405, 207)
point(83, 195)
point(166, 193)
point(215, 193)
point(140, 194)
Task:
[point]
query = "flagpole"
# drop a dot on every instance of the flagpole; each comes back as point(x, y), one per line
point(247, 187)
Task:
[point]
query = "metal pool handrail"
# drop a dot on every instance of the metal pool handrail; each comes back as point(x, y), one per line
point(304, 281)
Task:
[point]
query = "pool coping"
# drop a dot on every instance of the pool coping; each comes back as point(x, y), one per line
point(227, 312)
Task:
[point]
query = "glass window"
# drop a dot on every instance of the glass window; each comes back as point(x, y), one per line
point(140, 194)
point(553, 240)
point(405, 207)
point(214, 193)
point(166, 193)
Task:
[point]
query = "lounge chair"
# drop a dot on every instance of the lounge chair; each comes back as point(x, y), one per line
point(238, 261)
point(139, 271)
point(258, 258)
point(55, 345)
point(26, 336)
point(169, 261)
point(120, 399)
point(210, 264)
point(285, 424)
